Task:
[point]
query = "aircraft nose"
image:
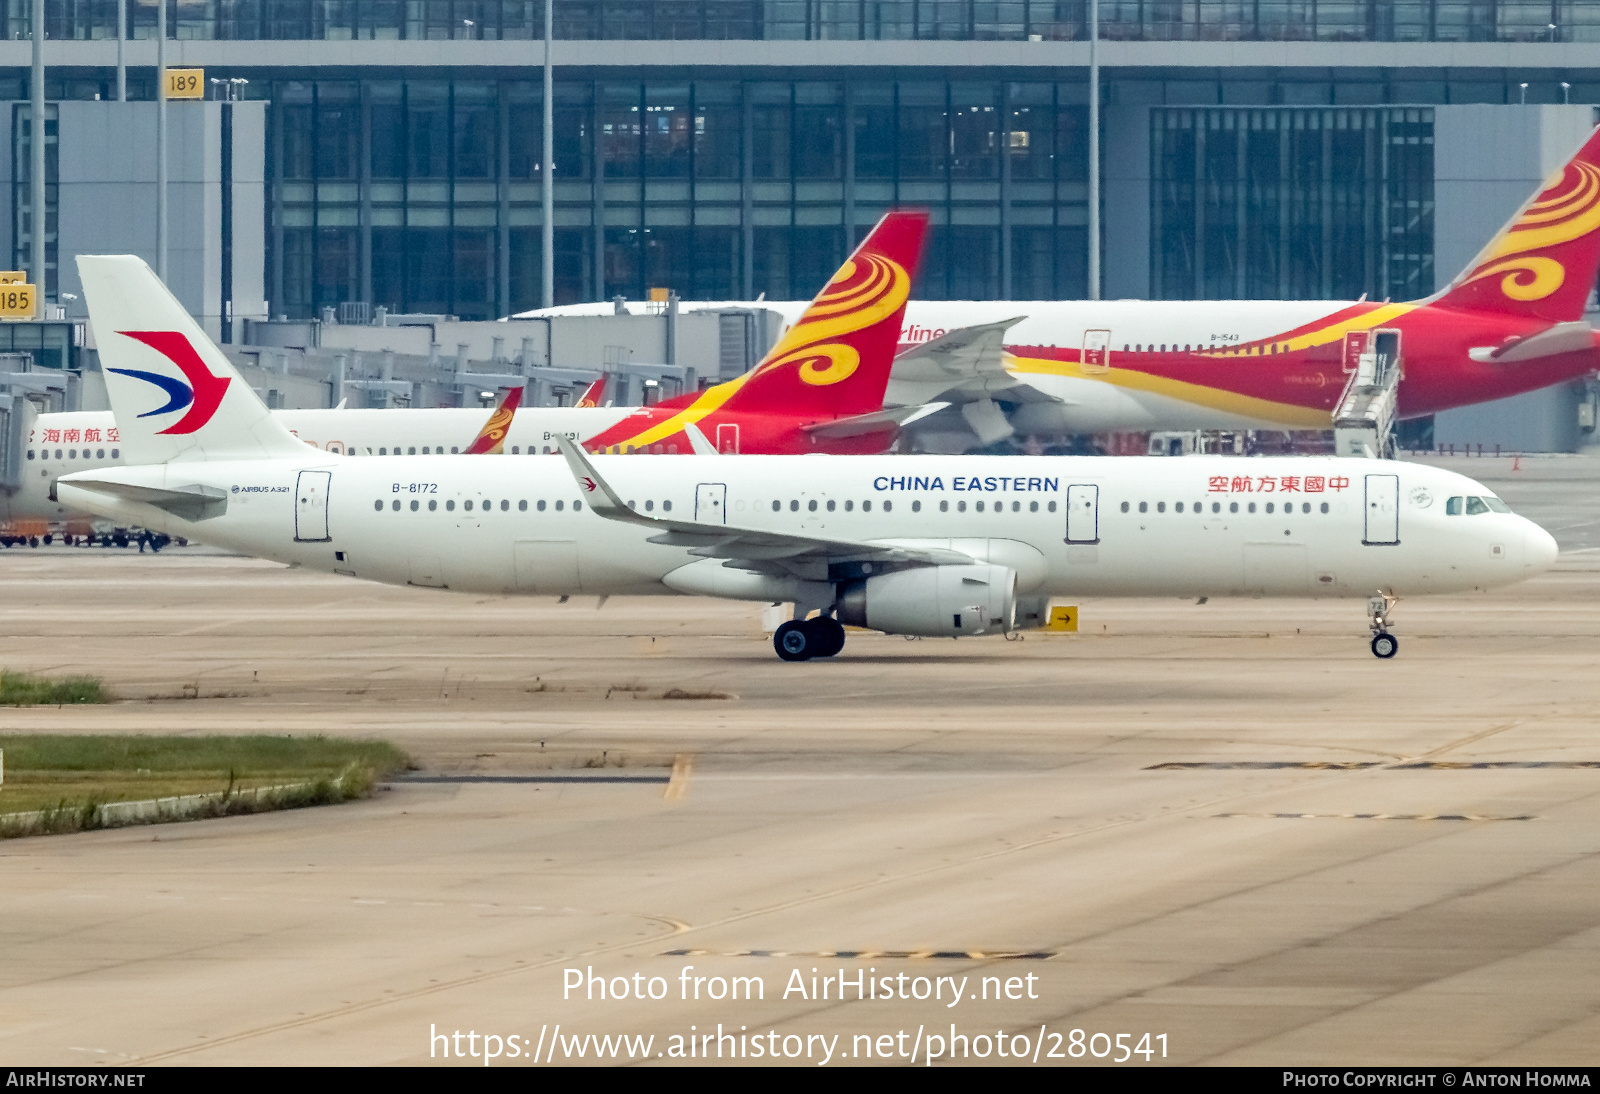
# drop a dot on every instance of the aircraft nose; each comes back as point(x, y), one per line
point(1538, 548)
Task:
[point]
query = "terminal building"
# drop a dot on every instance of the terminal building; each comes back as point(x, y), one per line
point(388, 155)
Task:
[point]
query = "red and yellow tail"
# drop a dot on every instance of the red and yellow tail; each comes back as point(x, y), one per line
point(593, 393)
point(834, 362)
point(1544, 262)
point(491, 439)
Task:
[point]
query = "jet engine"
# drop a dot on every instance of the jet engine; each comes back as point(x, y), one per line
point(933, 601)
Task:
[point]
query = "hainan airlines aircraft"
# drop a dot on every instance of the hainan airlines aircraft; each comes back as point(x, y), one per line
point(1511, 322)
point(820, 389)
point(918, 545)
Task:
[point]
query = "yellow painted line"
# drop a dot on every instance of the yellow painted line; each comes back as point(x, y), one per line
point(1380, 816)
point(678, 785)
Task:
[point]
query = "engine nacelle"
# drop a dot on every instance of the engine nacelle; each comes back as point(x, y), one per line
point(933, 601)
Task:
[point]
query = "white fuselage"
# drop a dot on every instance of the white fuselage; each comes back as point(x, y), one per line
point(1196, 526)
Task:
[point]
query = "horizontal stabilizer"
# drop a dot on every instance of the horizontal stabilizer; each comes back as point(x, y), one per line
point(857, 424)
point(1574, 337)
point(191, 503)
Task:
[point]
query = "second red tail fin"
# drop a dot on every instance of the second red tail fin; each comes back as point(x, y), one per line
point(491, 439)
point(1544, 262)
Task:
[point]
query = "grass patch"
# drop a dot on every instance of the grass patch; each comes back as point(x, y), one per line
point(69, 778)
point(21, 689)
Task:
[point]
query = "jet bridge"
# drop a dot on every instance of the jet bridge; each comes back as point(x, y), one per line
point(24, 391)
point(1364, 420)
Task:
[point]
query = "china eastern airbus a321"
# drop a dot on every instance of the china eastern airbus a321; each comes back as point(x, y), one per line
point(917, 545)
point(1511, 322)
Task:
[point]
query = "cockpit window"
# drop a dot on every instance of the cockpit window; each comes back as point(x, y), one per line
point(1476, 507)
point(1497, 505)
point(1452, 508)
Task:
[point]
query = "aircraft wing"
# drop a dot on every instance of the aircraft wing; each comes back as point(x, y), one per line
point(857, 424)
point(1574, 337)
point(811, 557)
point(192, 503)
point(965, 364)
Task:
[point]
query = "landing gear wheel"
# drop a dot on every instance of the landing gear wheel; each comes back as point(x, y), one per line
point(1385, 645)
point(795, 641)
point(828, 633)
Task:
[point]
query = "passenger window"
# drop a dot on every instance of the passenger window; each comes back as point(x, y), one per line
point(99, 453)
point(1233, 507)
point(944, 506)
point(505, 504)
point(777, 505)
point(961, 507)
point(1161, 507)
point(812, 505)
point(978, 505)
point(849, 505)
point(666, 506)
point(450, 507)
point(866, 507)
point(794, 506)
point(538, 505)
point(415, 506)
point(1052, 507)
point(522, 506)
point(1497, 505)
point(412, 451)
point(1216, 507)
point(1033, 506)
point(1475, 507)
point(1324, 507)
point(115, 452)
point(1144, 506)
point(432, 505)
point(467, 505)
point(1016, 507)
point(831, 502)
point(916, 507)
point(558, 505)
point(1177, 507)
point(1252, 507)
point(515, 449)
point(649, 506)
point(30, 451)
point(395, 505)
point(453, 449)
point(887, 505)
point(1269, 507)
point(1305, 507)
point(377, 505)
point(576, 506)
point(58, 453)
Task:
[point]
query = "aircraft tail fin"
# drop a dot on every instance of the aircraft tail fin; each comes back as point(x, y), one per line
point(835, 360)
point(173, 392)
point(491, 439)
point(593, 393)
point(1543, 263)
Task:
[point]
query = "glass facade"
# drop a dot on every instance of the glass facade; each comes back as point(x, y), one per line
point(958, 20)
point(1291, 204)
point(424, 195)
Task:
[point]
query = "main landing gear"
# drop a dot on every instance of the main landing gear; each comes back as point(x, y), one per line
point(803, 639)
point(1384, 644)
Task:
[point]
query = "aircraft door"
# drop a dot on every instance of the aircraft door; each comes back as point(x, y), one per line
point(728, 438)
point(1096, 350)
point(311, 506)
point(1083, 514)
point(711, 502)
point(1383, 511)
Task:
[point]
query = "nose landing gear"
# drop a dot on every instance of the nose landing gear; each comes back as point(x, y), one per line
point(1384, 644)
point(803, 639)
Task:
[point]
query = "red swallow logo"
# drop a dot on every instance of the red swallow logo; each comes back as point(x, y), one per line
point(208, 389)
point(588, 484)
